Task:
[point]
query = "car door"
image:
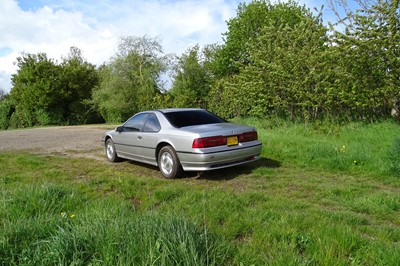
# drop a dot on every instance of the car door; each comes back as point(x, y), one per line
point(149, 139)
point(128, 141)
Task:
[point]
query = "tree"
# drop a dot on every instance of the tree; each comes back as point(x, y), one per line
point(45, 92)
point(2, 93)
point(288, 71)
point(245, 28)
point(6, 110)
point(281, 69)
point(369, 51)
point(193, 77)
point(79, 79)
point(131, 80)
point(36, 89)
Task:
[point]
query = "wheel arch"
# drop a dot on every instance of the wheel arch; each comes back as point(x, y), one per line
point(161, 145)
point(107, 138)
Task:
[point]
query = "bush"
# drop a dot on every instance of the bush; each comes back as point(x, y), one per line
point(21, 119)
point(43, 118)
point(6, 110)
point(46, 117)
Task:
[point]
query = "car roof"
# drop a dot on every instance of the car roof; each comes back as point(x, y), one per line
point(170, 110)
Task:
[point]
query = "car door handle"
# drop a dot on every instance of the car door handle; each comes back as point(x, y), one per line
point(139, 137)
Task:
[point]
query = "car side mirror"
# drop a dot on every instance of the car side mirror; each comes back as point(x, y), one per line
point(118, 129)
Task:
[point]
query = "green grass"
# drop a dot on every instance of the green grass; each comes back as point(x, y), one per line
point(51, 224)
point(303, 203)
point(358, 148)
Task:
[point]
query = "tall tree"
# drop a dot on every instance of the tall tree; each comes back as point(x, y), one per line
point(2, 93)
point(244, 29)
point(79, 79)
point(193, 77)
point(36, 88)
point(281, 69)
point(6, 110)
point(132, 78)
point(46, 92)
point(370, 59)
point(288, 71)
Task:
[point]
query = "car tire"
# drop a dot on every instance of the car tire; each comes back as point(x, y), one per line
point(111, 153)
point(168, 163)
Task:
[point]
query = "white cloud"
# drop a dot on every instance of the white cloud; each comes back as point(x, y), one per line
point(53, 26)
point(94, 26)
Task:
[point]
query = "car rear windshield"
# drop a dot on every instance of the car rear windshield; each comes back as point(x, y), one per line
point(192, 118)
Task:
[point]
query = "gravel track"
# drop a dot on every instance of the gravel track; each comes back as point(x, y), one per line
point(73, 141)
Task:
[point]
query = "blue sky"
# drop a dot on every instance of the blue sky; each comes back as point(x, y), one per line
point(94, 26)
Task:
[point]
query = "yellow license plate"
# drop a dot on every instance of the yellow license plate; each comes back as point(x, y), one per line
point(230, 141)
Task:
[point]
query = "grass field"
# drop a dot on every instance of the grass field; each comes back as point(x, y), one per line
point(320, 195)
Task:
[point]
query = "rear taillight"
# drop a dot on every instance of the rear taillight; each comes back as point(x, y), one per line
point(209, 142)
point(248, 136)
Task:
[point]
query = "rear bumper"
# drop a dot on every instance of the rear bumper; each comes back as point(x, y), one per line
point(219, 159)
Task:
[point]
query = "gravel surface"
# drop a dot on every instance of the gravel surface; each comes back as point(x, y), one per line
point(70, 141)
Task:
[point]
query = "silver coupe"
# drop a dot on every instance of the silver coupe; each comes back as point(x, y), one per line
point(182, 139)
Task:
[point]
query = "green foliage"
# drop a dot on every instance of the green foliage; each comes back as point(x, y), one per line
point(224, 98)
point(193, 77)
point(366, 79)
point(131, 80)
point(21, 118)
point(45, 92)
point(80, 78)
point(283, 72)
point(6, 110)
point(244, 29)
point(278, 59)
point(45, 118)
point(35, 86)
point(2, 93)
point(287, 69)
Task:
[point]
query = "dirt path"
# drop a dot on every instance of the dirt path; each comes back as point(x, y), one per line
point(68, 141)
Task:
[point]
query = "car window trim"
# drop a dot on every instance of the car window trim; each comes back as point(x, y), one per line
point(134, 128)
point(147, 119)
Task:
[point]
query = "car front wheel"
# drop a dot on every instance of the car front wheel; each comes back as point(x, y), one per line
point(168, 163)
point(111, 153)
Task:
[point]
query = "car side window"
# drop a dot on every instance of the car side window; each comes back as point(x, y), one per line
point(152, 124)
point(135, 123)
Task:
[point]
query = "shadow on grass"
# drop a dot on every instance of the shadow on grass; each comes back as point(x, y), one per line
point(233, 172)
point(214, 175)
